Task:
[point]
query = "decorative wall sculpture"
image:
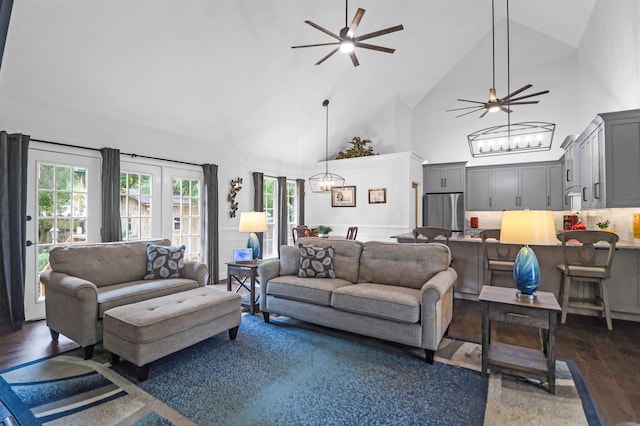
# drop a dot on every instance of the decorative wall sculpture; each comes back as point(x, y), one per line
point(236, 186)
point(358, 148)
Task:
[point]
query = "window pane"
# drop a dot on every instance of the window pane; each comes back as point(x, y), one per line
point(195, 188)
point(145, 228)
point(45, 231)
point(80, 180)
point(133, 183)
point(45, 203)
point(63, 204)
point(63, 178)
point(45, 176)
point(79, 205)
point(145, 184)
point(185, 188)
point(176, 186)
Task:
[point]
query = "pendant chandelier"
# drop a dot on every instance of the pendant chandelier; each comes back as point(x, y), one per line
point(323, 182)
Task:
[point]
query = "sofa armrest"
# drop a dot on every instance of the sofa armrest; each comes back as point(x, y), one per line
point(437, 307)
point(266, 272)
point(196, 271)
point(68, 285)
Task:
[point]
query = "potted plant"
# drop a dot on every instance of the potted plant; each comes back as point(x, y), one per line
point(604, 225)
point(323, 231)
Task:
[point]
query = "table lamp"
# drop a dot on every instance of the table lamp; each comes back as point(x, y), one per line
point(253, 222)
point(527, 227)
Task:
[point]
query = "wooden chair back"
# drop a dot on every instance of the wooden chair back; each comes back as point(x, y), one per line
point(300, 231)
point(584, 251)
point(433, 234)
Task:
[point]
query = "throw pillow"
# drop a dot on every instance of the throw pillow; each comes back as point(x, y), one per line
point(164, 262)
point(316, 262)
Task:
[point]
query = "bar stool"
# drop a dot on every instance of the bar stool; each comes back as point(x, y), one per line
point(433, 234)
point(498, 257)
point(582, 263)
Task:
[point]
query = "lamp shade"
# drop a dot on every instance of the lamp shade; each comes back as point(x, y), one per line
point(528, 227)
point(253, 222)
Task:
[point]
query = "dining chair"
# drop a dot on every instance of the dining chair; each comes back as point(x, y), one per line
point(582, 263)
point(433, 234)
point(498, 257)
point(300, 231)
point(352, 232)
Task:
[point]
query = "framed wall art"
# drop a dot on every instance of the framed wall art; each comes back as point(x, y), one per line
point(343, 196)
point(378, 196)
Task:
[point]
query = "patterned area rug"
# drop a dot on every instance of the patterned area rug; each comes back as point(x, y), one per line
point(290, 372)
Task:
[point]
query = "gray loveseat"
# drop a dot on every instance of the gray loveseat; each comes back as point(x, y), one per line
point(396, 292)
point(85, 280)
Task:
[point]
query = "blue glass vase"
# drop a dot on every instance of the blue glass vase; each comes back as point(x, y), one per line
point(254, 244)
point(526, 271)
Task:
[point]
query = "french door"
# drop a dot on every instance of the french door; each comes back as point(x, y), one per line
point(63, 203)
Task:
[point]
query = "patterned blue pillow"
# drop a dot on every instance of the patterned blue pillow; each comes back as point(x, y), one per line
point(164, 262)
point(316, 262)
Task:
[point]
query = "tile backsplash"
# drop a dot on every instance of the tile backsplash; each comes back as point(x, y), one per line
point(621, 220)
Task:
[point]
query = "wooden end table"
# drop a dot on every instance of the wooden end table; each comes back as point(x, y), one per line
point(241, 273)
point(501, 304)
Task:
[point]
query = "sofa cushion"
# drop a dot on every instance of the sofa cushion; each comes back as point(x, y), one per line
point(346, 255)
point(164, 262)
point(311, 290)
point(316, 262)
point(289, 260)
point(402, 264)
point(378, 300)
point(137, 291)
point(104, 263)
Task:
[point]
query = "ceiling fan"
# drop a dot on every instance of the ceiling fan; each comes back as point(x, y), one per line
point(347, 41)
point(494, 103)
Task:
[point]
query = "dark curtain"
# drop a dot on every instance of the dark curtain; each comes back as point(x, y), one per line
point(111, 229)
point(13, 223)
point(300, 199)
point(5, 16)
point(258, 202)
point(211, 240)
point(283, 223)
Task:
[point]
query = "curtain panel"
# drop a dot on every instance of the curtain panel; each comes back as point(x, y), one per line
point(300, 199)
point(258, 202)
point(211, 242)
point(111, 229)
point(14, 149)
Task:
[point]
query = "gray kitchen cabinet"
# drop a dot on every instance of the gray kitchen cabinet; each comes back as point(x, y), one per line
point(536, 186)
point(609, 157)
point(444, 177)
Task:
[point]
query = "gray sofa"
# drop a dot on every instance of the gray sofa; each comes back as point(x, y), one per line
point(85, 280)
point(396, 292)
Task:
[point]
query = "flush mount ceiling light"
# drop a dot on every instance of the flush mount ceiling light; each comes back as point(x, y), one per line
point(323, 182)
point(347, 41)
point(512, 139)
point(494, 103)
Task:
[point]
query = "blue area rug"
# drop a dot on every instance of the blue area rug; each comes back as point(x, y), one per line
point(282, 374)
point(289, 372)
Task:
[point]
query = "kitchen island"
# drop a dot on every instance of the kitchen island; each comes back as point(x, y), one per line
point(623, 285)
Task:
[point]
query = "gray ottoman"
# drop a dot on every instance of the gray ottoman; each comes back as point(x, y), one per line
point(146, 331)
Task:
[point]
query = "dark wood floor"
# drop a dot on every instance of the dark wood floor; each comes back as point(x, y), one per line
point(608, 360)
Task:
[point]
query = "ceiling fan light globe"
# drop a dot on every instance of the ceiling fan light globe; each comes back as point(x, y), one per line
point(494, 108)
point(347, 46)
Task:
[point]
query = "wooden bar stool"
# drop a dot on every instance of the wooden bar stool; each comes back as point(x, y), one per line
point(582, 263)
point(498, 257)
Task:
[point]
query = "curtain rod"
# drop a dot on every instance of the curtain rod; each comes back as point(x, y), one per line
point(122, 153)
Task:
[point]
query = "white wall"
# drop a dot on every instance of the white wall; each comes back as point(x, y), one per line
point(395, 172)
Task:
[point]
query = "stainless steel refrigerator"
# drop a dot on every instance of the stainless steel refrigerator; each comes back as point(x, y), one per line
point(445, 210)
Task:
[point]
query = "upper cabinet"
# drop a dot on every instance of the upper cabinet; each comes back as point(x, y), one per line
point(535, 186)
point(609, 157)
point(447, 177)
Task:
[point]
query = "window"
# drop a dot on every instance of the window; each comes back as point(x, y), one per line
point(186, 215)
point(270, 241)
point(135, 205)
point(270, 194)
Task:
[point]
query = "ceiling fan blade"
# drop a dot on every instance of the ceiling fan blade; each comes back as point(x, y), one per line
point(379, 33)
point(469, 107)
point(484, 113)
point(475, 102)
point(522, 89)
point(315, 45)
point(469, 112)
point(505, 109)
point(373, 47)
point(324, 30)
point(354, 59)
point(328, 56)
point(528, 96)
point(356, 21)
point(521, 103)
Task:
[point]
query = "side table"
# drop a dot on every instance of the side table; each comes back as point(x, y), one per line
point(241, 273)
point(502, 305)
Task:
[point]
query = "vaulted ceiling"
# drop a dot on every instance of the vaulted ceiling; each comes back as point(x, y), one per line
point(222, 73)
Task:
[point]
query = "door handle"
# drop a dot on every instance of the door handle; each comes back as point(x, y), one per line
point(445, 182)
point(568, 171)
point(490, 202)
point(584, 193)
point(596, 190)
point(548, 200)
point(29, 243)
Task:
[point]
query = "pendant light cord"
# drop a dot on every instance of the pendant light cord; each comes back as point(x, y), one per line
point(326, 138)
point(493, 40)
point(508, 78)
point(346, 13)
